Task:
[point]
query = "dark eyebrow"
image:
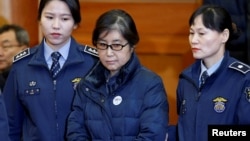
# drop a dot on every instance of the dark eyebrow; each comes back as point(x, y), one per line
point(63, 14)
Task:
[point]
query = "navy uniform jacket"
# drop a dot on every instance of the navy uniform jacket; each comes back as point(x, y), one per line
point(4, 128)
point(35, 103)
point(224, 99)
point(130, 107)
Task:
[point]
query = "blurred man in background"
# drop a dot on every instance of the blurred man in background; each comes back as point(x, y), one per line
point(13, 39)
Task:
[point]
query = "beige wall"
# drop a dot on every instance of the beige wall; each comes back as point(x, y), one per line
point(5, 9)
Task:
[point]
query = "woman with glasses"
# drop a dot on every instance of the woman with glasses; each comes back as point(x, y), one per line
point(119, 99)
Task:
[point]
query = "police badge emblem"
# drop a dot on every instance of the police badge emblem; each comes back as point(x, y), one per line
point(219, 104)
point(75, 81)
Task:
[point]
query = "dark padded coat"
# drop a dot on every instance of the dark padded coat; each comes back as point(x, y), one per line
point(129, 107)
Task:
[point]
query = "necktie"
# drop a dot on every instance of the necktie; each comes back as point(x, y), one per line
point(55, 68)
point(204, 76)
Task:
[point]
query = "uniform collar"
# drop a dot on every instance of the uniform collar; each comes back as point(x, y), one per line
point(64, 51)
point(212, 69)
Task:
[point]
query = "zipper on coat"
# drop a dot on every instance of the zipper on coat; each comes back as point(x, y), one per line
point(55, 103)
point(199, 92)
point(54, 85)
point(198, 95)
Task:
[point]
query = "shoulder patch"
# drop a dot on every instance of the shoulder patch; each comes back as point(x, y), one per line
point(90, 50)
point(21, 54)
point(239, 66)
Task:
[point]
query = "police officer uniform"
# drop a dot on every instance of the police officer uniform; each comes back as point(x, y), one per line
point(223, 99)
point(38, 105)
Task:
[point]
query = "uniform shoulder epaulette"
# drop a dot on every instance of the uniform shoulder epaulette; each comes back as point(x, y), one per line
point(21, 54)
point(90, 50)
point(239, 66)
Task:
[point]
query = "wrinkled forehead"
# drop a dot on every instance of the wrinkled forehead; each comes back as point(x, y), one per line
point(8, 36)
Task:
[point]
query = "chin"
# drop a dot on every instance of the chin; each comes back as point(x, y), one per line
point(197, 56)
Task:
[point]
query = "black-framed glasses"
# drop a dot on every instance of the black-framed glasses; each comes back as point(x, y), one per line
point(116, 47)
point(7, 46)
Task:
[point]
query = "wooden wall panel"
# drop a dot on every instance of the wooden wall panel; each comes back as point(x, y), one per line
point(163, 26)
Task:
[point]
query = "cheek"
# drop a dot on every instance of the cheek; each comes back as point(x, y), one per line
point(101, 54)
point(207, 42)
point(43, 27)
point(213, 43)
point(69, 29)
point(10, 55)
point(43, 22)
point(211, 46)
point(124, 57)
